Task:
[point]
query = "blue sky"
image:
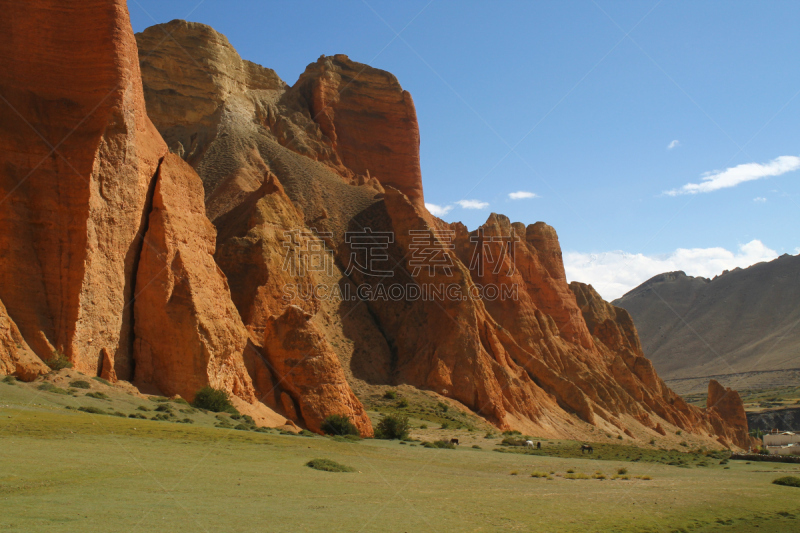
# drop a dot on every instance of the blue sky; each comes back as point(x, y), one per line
point(578, 103)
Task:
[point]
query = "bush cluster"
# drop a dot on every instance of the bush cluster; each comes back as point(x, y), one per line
point(393, 427)
point(215, 400)
point(338, 425)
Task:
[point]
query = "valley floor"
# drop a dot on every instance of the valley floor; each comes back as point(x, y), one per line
point(64, 470)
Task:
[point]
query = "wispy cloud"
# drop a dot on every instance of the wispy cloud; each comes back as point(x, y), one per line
point(472, 204)
point(731, 177)
point(759, 199)
point(438, 210)
point(522, 195)
point(615, 273)
point(673, 144)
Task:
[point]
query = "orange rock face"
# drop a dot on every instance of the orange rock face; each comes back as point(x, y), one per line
point(125, 259)
point(369, 119)
point(16, 357)
point(188, 332)
point(316, 386)
point(731, 425)
point(78, 155)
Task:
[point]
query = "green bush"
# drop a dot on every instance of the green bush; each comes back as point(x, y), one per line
point(49, 387)
point(338, 425)
point(443, 406)
point(80, 384)
point(215, 400)
point(403, 403)
point(186, 421)
point(622, 471)
point(390, 395)
point(11, 380)
point(242, 427)
point(137, 415)
point(58, 361)
point(92, 410)
point(326, 465)
point(439, 444)
point(788, 481)
point(476, 446)
point(164, 408)
point(101, 380)
point(445, 425)
point(143, 408)
point(393, 427)
point(97, 395)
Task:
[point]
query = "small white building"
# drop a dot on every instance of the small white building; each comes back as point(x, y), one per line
point(785, 443)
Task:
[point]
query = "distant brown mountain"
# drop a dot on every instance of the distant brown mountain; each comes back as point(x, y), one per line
point(742, 327)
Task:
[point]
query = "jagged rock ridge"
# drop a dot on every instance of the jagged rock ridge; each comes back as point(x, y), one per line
point(282, 169)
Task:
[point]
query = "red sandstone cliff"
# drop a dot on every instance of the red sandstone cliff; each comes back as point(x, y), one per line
point(137, 267)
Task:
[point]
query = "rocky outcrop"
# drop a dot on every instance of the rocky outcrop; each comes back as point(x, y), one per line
point(728, 415)
point(315, 385)
point(135, 266)
point(188, 332)
point(16, 357)
point(78, 155)
point(369, 119)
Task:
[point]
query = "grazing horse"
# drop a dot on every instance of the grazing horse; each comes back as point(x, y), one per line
point(528, 443)
point(587, 448)
point(454, 441)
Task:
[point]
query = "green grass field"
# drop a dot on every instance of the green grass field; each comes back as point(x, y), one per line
point(66, 470)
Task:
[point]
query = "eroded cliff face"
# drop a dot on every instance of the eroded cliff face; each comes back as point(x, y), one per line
point(78, 155)
point(172, 269)
point(107, 253)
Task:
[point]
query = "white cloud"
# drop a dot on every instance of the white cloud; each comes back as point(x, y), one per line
point(615, 273)
point(759, 199)
point(797, 251)
point(522, 195)
point(731, 177)
point(472, 204)
point(673, 144)
point(438, 210)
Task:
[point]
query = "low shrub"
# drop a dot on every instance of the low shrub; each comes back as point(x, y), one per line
point(512, 432)
point(11, 380)
point(242, 427)
point(58, 361)
point(215, 400)
point(80, 384)
point(92, 410)
point(143, 408)
point(327, 465)
point(393, 427)
point(137, 415)
point(577, 476)
point(97, 395)
point(338, 425)
point(49, 387)
point(514, 473)
point(476, 446)
point(540, 474)
point(442, 406)
point(186, 421)
point(390, 395)
point(788, 481)
point(439, 444)
point(101, 380)
point(164, 408)
point(119, 414)
point(307, 433)
point(423, 426)
point(402, 404)
point(599, 475)
point(622, 471)
point(445, 425)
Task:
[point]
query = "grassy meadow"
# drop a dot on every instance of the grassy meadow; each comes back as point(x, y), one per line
point(63, 469)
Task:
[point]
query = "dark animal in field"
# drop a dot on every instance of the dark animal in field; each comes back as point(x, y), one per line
point(586, 448)
point(454, 441)
point(538, 445)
